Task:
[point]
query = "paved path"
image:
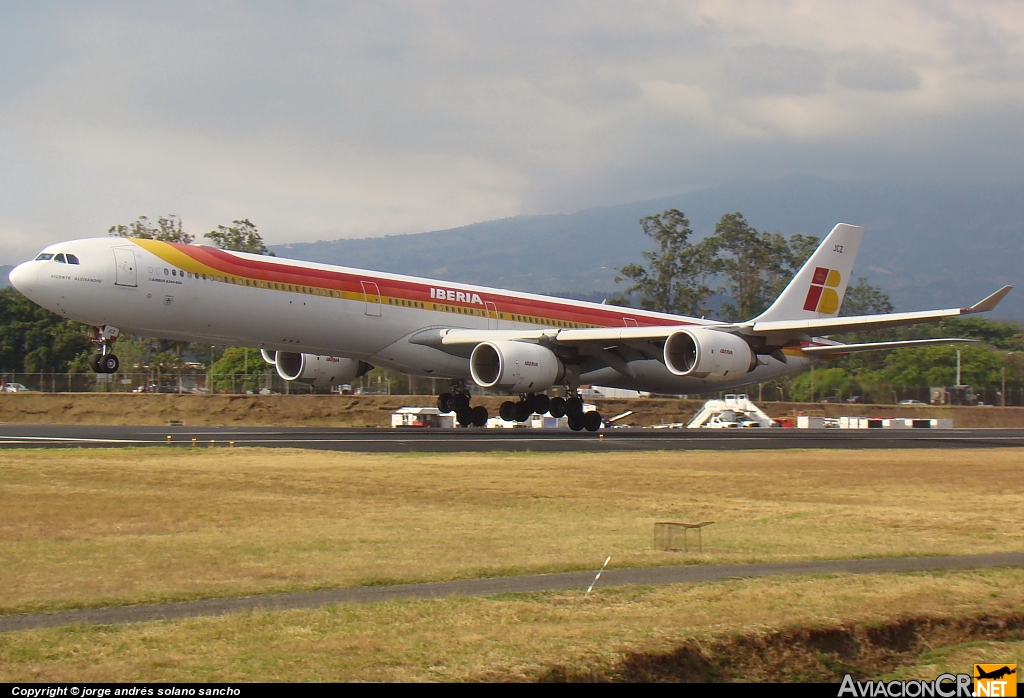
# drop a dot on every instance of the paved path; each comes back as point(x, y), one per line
point(482, 440)
point(501, 585)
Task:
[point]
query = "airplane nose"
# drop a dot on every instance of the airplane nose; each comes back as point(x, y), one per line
point(24, 277)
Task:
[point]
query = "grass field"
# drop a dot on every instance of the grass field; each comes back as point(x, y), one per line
point(528, 637)
point(91, 527)
point(102, 527)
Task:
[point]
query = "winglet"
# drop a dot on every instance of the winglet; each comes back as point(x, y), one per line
point(989, 303)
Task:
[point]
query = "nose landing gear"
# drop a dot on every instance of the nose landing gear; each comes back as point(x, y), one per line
point(104, 337)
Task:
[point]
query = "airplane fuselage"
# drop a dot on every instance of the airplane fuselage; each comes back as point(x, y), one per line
point(203, 294)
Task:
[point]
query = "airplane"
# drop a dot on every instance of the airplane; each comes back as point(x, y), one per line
point(325, 325)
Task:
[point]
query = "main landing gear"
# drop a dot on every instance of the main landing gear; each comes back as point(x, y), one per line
point(458, 401)
point(104, 338)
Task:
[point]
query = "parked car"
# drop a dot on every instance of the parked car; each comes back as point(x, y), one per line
point(15, 388)
point(910, 402)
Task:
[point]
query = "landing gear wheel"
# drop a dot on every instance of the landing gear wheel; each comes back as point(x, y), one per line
point(109, 363)
point(507, 411)
point(95, 364)
point(444, 403)
point(540, 403)
point(478, 416)
point(556, 408)
point(592, 420)
point(575, 422)
point(574, 406)
point(464, 417)
point(460, 402)
point(522, 411)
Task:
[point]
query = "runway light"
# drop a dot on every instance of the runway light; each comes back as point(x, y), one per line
point(168, 438)
point(231, 443)
point(193, 442)
point(211, 443)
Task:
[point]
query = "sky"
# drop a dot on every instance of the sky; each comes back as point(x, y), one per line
point(355, 119)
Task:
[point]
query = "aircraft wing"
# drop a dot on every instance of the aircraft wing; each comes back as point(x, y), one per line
point(820, 327)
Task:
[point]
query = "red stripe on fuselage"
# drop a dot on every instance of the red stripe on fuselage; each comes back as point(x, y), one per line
point(281, 272)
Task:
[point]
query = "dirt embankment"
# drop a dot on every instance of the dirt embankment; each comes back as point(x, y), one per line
point(375, 410)
point(803, 654)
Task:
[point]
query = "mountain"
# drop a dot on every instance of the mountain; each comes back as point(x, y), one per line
point(928, 246)
point(4, 271)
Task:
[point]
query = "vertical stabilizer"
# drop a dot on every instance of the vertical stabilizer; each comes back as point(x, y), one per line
point(818, 289)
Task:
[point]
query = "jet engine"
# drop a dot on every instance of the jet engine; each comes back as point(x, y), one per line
point(318, 371)
point(519, 367)
point(708, 354)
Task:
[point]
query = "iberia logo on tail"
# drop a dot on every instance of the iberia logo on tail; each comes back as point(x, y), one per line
point(822, 296)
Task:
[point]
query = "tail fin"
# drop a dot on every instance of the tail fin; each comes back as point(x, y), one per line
point(818, 288)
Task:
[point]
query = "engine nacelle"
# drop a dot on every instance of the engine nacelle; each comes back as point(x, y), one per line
point(708, 354)
point(318, 371)
point(519, 367)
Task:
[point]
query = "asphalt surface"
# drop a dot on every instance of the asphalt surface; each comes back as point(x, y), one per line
point(504, 585)
point(456, 440)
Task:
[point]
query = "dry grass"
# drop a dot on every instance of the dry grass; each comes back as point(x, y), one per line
point(103, 527)
point(375, 410)
point(960, 659)
point(504, 638)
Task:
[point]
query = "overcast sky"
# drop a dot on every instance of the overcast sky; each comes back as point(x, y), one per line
point(348, 119)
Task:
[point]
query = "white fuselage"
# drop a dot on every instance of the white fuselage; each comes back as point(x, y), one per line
point(201, 294)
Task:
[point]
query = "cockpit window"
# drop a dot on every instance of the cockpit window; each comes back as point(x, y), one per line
point(72, 259)
point(44, 256)
point(60, 258)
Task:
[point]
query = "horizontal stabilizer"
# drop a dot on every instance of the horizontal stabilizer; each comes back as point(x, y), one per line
point(841, 349)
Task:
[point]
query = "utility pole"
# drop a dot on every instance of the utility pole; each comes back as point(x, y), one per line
point(958, 367)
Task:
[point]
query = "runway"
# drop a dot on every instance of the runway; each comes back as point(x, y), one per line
point(524, 584)
point(483, 440)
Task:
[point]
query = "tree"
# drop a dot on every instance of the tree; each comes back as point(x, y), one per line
point(756, 266)
point(34, 340)
point(239, 369)
point(864, 299)
point(242, 236)
point(168, 229)
point(674, 280)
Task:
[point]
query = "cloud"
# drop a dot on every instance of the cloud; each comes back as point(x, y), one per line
point(320, 120)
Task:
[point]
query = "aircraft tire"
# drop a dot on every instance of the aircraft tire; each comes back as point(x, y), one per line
point(574, 406)
point(592, 420)
point(444, 403)
point(557, 407)
point(109, 363)
point(94, 364)
point(540, 403)
point(575, 422)
point(522, 411)
point(460, 402)
point(464, 417)
point(478, 415)
point(507, 411)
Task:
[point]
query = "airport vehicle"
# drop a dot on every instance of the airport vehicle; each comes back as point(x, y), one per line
point(325, 324)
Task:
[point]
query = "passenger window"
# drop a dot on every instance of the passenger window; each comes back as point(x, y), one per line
point(72, 259)
point(59, 258)
point(44, 256)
